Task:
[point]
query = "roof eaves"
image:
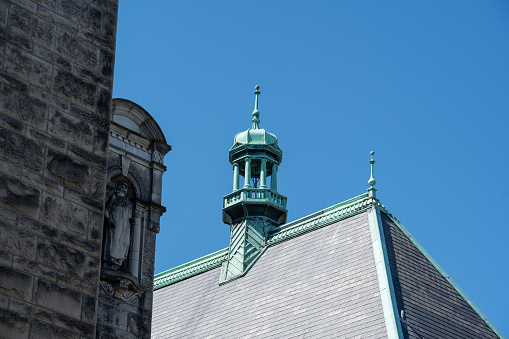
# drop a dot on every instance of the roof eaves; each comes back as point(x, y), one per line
point(444, 274)
point(190, 269)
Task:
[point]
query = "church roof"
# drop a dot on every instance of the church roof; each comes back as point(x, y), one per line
point(348, 270)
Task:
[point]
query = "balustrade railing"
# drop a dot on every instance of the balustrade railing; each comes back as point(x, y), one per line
point(255, 195)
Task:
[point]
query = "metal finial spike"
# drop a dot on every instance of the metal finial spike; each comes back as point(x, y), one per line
point(256, 113)
point(372, 180)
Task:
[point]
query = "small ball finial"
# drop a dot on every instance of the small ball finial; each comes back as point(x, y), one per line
point(372, 153)
point(257, 87)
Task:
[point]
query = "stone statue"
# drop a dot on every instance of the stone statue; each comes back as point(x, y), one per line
point(118, 213)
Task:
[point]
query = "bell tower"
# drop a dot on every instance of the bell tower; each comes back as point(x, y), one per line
point(254, 209)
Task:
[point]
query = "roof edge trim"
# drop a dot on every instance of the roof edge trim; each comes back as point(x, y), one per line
point(324, 217)
point(445, 275)
point(190, 269)
point(383, 271)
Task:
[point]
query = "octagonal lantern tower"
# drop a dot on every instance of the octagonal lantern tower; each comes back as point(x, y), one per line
point(254, 209)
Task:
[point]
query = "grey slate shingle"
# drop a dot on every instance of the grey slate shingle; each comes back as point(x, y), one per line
point(317, 285)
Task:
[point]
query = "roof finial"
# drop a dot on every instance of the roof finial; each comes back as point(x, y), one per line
point(372, 180)
point(256, 113)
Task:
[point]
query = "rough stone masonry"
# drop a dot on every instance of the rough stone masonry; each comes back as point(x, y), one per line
point(56, 76)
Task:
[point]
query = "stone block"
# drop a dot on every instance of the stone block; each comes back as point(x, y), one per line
point(84, 200)
point(18, 105)
point(58, 298)
point(30, 310)
point(100, 142)
point(31, 26)
point(20, 150)
point(52, 58)
point(51, 4)
point(73, 48)
point(35, 180)
point(112, 316)
point(92, 269)
point(84, 13)
point(79, 243)
point(4, 9)
point(43, 330)
point(104, 103)
point(27, 67)
point(12, 170)
point(14, 39)
point(28, 5)
point(13, 82)
point(89, 309)
point(68, 216)
point(93, 77)
point(31, 267)
point(15, 283)
point(57, 19)
point(74, 325)
point(109, 27)
point(50, 99)
point(87, 157)
point(36, 227)
point(46, 139)
point(2, 52)
point(95, 227)
point(138, 325)
point(61, 257)
point(74, 88)
point(19, 197)
point(4, 300)
point(97, 40)
point(13, 325)
point(17, 241)
point(67, 171)
point(90, 117)
point(106, 63)
point(71, 129)
point(11, 124)
point(5, 258)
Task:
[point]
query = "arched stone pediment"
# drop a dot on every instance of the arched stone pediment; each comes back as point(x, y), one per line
point(135, 118)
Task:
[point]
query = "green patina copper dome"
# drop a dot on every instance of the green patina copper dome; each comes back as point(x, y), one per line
point(255, 136)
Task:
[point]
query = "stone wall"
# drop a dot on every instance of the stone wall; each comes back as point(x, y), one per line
point(56, 74)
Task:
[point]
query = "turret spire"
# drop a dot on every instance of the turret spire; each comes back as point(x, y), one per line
point(256, 113)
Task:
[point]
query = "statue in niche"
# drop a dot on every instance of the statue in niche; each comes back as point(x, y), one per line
point(118, 213)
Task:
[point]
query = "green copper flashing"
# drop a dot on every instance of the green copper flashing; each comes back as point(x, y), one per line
point(383, 270)
point(444, 274)
point(324, 217)
point(190, 269)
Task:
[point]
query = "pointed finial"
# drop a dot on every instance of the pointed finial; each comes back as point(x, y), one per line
point(372, 180)
point(256, 113)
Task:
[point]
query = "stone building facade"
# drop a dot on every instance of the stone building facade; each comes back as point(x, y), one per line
point(56, 78)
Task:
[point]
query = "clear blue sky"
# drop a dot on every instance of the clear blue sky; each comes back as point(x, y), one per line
point(424, 84)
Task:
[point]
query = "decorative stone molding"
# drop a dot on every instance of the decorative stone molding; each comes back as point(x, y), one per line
point(121, 286)
point(154, 227)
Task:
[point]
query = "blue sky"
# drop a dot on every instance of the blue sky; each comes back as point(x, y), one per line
point(423, 84)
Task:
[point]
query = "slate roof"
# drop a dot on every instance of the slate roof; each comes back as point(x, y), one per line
point(344, 272)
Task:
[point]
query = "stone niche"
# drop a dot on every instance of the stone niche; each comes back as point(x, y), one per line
point(133, 208)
